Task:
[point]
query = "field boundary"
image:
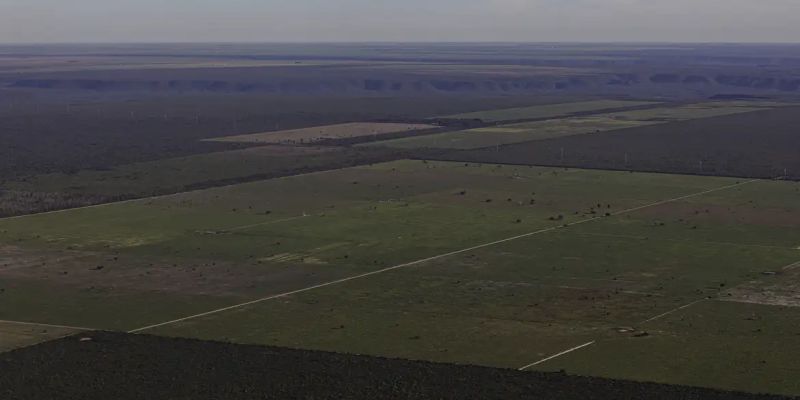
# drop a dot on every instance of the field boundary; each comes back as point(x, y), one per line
point(245, 227)
point(436, 257)
point(565, 352)
point(791, 266)
point(674, 310)
point(650, 104)
point(166, 196)
point(669, 106)
point(76, 328)
point(266, 136)
point(444, 158)
point(412, 158)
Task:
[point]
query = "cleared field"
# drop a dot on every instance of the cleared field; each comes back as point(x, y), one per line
point(268, 237)
point(760, 144)
point(60, 190)
point(589, 257)
point(533, 298)
point(533, 131)
point(15, 335)
point(322, 133)
point(547, 111)
point(508, 134)
point(733, 345)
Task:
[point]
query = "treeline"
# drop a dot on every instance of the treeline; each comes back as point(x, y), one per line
point(20, 202)
point(16, 202)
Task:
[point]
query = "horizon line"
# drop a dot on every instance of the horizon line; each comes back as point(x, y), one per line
point(349, 42)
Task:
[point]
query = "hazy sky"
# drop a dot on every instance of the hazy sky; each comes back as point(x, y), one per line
point(399, 20)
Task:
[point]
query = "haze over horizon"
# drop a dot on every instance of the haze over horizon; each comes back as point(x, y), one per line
point(50, 21)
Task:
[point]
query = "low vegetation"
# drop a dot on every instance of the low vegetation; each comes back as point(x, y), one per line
point(88, 367)
point(547, 111)
point(758, 144)
point(492, 136)
point(325, 133)
point(638, 247)
point(56, 191)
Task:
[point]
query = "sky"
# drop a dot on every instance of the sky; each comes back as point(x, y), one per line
point(399, 20)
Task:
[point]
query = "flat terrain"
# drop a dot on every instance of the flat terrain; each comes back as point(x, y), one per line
point(119, 366)
point(546, 111)
point(123, 104)
point(690, 345)
point(15, 334)
point(66, 132)
point(544, 231)
point(323, 133)
point(507, 134)
point(760, 144)
point(433, 260)
point(62, 63)
point(561, 127)
point(55, 191)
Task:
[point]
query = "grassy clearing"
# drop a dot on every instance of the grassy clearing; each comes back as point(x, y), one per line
point(95, 306)
point(508, 134)
point(529, 298)
point(696, 111)
point(733, 346)
point(357, 220)
point(14, 335)
point(322, 133)
point(547, 111)
point(346, 213)
point(56, 191)
point(505, 305)
point(532, 131)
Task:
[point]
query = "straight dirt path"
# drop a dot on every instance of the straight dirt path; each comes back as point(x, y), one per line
point(436, 257)
point(75, 328)
point(533, 364)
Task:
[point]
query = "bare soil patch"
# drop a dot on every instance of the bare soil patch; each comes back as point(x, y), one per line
point(775, 288)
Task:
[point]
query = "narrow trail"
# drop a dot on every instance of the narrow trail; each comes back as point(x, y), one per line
point(565, 352)
point(74, 328)
point(436, 257)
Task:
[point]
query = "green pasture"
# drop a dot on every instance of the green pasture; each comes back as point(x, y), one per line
point(559, 127)
point(595, 256)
